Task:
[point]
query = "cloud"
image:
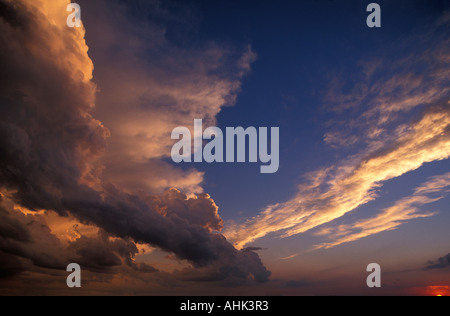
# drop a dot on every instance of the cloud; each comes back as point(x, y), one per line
point(344, 188)
point(100, 254)
point(441, 263)
point(399, 119)
point(392, 217)
point(30, 241)
point(150, 85)
point(26, 240)
point(387, 87)
point(51, 150)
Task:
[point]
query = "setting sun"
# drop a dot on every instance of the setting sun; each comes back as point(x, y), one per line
point(438, 290)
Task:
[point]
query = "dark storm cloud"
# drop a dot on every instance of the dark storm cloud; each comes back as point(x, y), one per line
point(10, 265)
point(93, 254)
point(10, 14)
point(27, 242)
point(233, 267)
point(441, 263)
point(253, 248)
point(103, 254)
point(11, 228)
point(49, 143)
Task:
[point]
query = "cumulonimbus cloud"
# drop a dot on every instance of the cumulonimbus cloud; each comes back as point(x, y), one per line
point(148, 85)
point(50, 149)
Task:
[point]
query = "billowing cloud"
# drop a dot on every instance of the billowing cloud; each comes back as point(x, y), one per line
point(51, 148)
point(28, 239)
point(149, 85)
point(18, 236)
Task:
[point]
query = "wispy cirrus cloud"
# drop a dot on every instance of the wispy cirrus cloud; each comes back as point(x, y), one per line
point(392, 140)
point(344, 188)
point(392, 217)
point(388, 87)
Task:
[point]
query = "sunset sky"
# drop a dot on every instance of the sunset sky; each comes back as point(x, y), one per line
point(86, 174)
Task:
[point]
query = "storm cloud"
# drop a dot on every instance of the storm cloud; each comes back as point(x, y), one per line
point(50, 159)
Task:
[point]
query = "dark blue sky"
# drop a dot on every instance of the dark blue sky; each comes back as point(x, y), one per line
point(301, 47)
point(353, 105)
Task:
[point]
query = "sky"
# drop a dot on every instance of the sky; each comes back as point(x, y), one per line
point(87, 177)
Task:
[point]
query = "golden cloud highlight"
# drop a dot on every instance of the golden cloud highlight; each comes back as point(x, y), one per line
point(352, 185)
point(391, 218)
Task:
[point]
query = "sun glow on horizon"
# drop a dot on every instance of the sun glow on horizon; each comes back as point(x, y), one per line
point(438, 290)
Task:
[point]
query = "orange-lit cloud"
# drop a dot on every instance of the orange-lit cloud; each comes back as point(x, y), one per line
point(153, 87)
point(405, 209)
point(389, 142)
point(52, 149)
point(353, 184)
point(388, 88)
